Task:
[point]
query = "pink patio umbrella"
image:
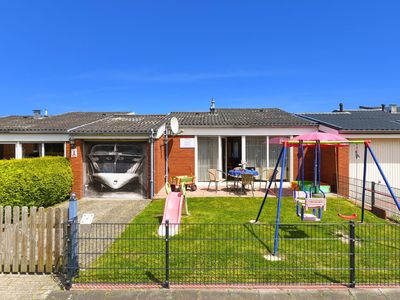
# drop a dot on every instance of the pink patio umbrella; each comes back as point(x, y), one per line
point(277, 140)
point(322, 137)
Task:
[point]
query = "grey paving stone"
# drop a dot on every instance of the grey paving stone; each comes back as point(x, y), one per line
point(305, 294)
point(391, 293)
point(336, 294)
point(274, 294)
point(367, 294)
point(185, 294)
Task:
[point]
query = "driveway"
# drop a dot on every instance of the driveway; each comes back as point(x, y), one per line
point(115, 213)
point(109, 210)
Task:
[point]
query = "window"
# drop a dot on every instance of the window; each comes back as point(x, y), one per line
point(275, 146)
point(256, 152)
point(207, 156)
point(7, 151)
point(31, 150)
point(54, 149)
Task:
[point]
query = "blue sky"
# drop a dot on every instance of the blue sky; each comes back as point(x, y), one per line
point(161, 56)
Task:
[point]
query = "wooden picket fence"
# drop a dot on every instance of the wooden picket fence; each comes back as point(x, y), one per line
point(31, 239)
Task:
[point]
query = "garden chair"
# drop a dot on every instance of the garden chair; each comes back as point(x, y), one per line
point(213, 176)
point(266, 176)
point(248, 179)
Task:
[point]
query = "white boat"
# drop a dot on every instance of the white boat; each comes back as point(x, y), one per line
point(115, 165)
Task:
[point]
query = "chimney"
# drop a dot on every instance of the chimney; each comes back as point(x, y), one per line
point(383, 107)
point(393, 108)
point(212, 107)
point(341, 107)
point(46, 113)
point(37, 113)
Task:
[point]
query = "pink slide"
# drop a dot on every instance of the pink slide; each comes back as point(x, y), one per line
point(172, 213)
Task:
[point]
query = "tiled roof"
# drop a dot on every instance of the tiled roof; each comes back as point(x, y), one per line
point(122, 124)
point(358, 120)
point(241, 117)
point(51, 124)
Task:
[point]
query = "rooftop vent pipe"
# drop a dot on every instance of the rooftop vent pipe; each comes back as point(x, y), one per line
point(383, 107)
point(37, 113)
point(212, 107)
point(341, 107)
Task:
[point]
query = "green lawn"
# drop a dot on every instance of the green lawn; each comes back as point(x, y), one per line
point(216, 244)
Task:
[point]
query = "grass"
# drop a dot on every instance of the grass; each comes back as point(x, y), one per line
point(216, 244)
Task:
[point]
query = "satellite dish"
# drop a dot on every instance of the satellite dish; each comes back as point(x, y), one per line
point(174, 124)
point(161, 130)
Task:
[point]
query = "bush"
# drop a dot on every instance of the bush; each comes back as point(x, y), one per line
point(41, 181)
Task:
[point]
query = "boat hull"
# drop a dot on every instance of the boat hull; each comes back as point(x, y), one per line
point(114, 181)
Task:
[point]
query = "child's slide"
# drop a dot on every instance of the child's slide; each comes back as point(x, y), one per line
point(172, 213)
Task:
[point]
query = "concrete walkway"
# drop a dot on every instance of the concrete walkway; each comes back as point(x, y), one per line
point(281, 294)
point(109, 210)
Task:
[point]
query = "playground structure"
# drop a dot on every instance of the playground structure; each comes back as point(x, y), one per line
point(307, 199)
point(175, 203)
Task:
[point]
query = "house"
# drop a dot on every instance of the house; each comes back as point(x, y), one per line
point(380, 124)
point(125, 155)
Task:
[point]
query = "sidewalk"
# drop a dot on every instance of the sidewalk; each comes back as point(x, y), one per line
point(185, 294)
point(26, 287)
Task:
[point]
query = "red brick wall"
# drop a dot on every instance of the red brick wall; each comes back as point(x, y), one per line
point(77, 168)
point(328, 167)
point(180, 161)
point(159, 165)
point(343, 170)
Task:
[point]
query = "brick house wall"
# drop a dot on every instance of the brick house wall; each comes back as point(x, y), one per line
point(77, 168)
point(159, 165)
point(328, 167)
point(180, 160)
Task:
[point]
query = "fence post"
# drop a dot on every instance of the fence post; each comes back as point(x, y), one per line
point(72, 241)
point(372, 194)
point(352, 255)
point(166, 282)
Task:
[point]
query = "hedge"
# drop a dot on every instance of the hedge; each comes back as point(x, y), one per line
point(41, 181)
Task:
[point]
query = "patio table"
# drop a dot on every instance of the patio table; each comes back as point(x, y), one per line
point(237, 174)
point(240, 172)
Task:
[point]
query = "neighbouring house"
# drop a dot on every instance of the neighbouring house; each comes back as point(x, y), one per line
point(380, 124)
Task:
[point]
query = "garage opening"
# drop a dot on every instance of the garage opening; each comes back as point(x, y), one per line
point(116, 170)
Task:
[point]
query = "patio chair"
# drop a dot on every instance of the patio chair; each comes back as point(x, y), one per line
point(266, 176)
point(247, 179)
point(213, 176)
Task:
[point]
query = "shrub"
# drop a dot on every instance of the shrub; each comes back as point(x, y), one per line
point(41, 181)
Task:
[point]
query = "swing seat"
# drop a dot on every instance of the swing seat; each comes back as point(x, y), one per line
point(351, 217)
point(315, 203)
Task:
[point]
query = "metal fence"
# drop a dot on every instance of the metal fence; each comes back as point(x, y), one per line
point(236, 255)
point(377, 195)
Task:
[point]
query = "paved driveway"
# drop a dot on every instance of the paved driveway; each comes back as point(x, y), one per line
point(110, 210)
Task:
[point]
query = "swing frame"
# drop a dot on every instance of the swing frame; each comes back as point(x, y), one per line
point(317, 173)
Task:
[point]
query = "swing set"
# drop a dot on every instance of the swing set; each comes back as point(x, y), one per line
point(315, 198)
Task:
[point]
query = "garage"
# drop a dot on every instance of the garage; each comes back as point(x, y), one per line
point(115, 169)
